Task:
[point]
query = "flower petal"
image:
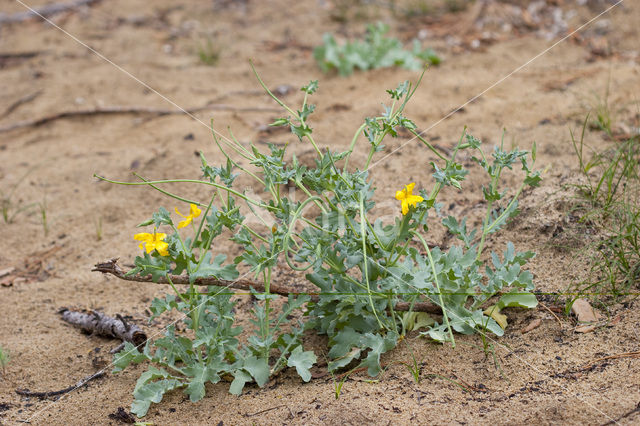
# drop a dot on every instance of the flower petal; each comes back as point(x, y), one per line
point(195, 211)
point(162, 248)
point(143, 236)
point(180, 214)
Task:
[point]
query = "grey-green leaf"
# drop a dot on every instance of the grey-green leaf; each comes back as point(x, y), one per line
point(302, 361)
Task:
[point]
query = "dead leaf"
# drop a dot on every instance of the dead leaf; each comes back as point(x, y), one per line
point(500, 318)
point(587, 316)
point(583, 311)
point(532, 325)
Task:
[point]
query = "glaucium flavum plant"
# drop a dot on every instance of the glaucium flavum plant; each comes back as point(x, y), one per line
point(371, 281)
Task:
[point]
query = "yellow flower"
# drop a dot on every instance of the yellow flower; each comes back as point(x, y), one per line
point(194, 211)
point(153, 241)
point(407, 198)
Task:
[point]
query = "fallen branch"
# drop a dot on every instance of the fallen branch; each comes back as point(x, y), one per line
point(635, 354)
point(81, 383)
point(103, 325)
point(129, 110)
point(19, 102)
point(111, 267)
point(44, 11)
point(624, 416)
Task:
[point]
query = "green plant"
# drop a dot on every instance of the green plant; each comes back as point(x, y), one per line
point(43, 216)
point(4, 358)
point(369, 273)
point(413, 368)
point(339, 383)
point(375, 51)
point(9, 209)
point(208, 52)
point(603, 118)
point(608, 201)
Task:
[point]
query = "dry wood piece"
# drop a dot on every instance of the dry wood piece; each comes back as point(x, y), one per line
point(23, 100)
point(81, 383)
point(129, 110)
point(44, 11)
point(98, 323)
point(635, 354)
point(111, 267)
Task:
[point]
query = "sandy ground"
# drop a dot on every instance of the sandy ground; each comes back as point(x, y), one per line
point(536, 377)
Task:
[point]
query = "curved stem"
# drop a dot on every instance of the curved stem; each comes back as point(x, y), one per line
point(435, 280)
point(365, 265)
point(215, 185)
point(353, 144)
point(167, 193)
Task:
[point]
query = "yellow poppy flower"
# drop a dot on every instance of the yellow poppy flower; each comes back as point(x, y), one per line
point(194, 211)
point(153, 241)
point(407, 198)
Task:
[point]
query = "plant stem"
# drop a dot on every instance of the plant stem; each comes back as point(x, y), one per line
point(435, 280)
point(365, 266)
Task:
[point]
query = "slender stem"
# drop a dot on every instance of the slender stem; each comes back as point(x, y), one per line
point(167, 193)
point(175, 289)
point(267, 285)
point(363, 233)
point(266, 89)
point(204, 218)
point(353, 144)
point(435, 280)
point(236, 164)
point(215, 185)
point(427, 144)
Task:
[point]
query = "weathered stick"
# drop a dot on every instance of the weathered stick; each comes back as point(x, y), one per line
point(129, 110)
point(44, 11)
point(81, 383)
point(111, 267)
point(103, 325)
point(21, 101)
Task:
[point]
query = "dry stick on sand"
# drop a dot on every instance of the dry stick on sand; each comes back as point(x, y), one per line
point(48, 10)
point(81, 383)
point(19, 102)
point(635, 354)
point(104, 325)
point(128, 110)
point(111, 267)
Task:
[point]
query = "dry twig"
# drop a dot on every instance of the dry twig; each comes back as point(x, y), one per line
point(111, 267)
point(113, 110)
point(22, 100)
point(552, 313)
point(634, 354)
point(81, 383)
point(44, 11)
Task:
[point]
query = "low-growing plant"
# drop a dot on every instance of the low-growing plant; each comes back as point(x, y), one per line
point(375, 51)
point(98, 225)
point(413, 367)
point(609, 202)
point(4, 358)
point(9, 207)
point(43, 216)
point(208, 52)
point(369, 275)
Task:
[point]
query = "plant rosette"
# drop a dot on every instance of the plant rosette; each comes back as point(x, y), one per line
point(368, 273)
